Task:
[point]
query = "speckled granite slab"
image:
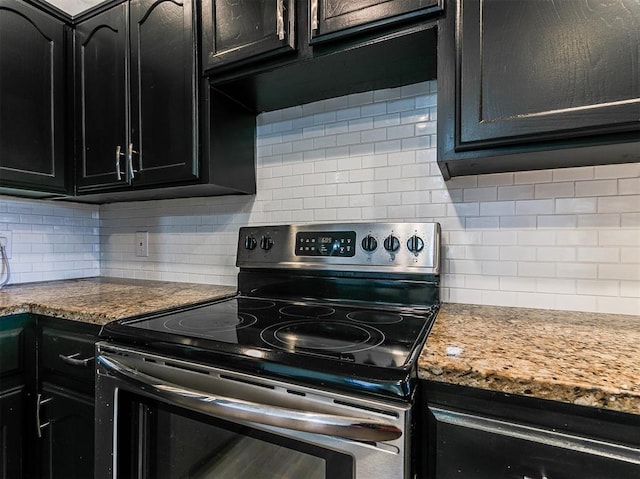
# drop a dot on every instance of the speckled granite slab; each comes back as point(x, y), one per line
point(582, 358)
point(100, 300)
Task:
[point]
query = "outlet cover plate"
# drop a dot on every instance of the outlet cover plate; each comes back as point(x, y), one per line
point(142, 243)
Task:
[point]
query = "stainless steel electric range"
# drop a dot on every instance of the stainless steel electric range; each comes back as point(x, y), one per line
point(310, 371)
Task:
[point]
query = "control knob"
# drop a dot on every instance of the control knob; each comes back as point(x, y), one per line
point(250, 243)
point(391, 243)
point(415, 244)
point(369, 243)
point(266, 243)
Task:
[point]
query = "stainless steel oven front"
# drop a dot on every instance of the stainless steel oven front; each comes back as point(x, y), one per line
point(168, 418)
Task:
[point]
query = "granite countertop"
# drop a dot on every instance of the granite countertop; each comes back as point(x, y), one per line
point(582, 358)
point(100, 300)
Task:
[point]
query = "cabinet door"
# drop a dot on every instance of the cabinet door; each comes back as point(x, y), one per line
point(101, 93)
point(12, 425)
point(333, 18)
point(242, 30)
point(548, 69)
point(164, 91)
point(67, 440)
point(32, 98)
point(467, 445)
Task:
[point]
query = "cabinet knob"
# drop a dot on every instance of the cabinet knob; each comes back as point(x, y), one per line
point(73, 361)
point(39, 403)
point(280, 20)
point(118, 155)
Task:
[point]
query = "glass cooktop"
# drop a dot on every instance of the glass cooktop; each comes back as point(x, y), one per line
point(380, 336)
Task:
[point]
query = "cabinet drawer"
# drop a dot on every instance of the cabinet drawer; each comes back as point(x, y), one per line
point(12, 344)
point(69, 354)
point(474, 446)
point(10, 351)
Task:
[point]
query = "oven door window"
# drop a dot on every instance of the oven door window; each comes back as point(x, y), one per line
point(160, 441)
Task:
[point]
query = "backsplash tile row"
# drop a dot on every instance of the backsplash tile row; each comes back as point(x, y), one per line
point(563, 239)
point(50, 240)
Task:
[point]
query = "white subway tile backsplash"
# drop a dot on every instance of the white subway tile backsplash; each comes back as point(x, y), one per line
point(565, 238)
point(619, 204)
point(576, 205)
point(597, 188)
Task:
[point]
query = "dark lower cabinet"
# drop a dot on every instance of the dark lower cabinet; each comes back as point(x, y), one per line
point(540, 84)
point(65, 398)
point(46, 398)
point(17, 382)
point(33, 98)
point(12, 433)
point(496, 436)
point(67, 440)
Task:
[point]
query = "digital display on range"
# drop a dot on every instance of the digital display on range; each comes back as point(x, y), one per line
point(336, 243)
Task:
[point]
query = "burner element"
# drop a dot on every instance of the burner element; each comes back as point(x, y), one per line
point(206, 325)
point(375, 317)
point(305, 311)
point(250, 304)
point(325, 336)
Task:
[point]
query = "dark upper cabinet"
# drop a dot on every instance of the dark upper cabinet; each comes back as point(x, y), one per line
point(145, 114)
point(375, 45)
point(516, 78)
point(102, 94)
point(32, 98)
point(164, 92)
point(239, 31)
point(137, 125)
point(336, 18)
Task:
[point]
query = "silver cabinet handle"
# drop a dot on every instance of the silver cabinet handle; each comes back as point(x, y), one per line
point(118, 155)
point(280, 20)
point(73, 361)
point(130, 152)
point(39, 403)
point(314, 15)
point(232, 409)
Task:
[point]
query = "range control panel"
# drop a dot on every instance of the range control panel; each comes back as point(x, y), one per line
point(327, 243)
point(342, 246)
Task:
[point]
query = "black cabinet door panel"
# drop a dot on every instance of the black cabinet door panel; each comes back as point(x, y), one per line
point(240, 30)
point(32, 82)
point(544, 68)
point(467, 445)
point(328, 17)
point(101, 68)
point(68, 438)
point(163, 91)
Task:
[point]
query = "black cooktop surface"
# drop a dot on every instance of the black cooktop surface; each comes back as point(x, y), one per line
point(383, 336)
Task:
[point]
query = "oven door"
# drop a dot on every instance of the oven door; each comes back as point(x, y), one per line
point(159, 417)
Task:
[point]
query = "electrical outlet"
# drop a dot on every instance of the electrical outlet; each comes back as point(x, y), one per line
point(5, 240)
point(142, 243)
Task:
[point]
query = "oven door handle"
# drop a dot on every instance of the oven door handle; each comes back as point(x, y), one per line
point(232, 409)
